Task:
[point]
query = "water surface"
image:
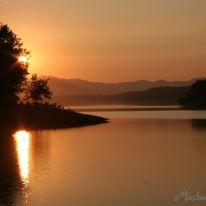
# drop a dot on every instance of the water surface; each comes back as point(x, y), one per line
point(139, 158)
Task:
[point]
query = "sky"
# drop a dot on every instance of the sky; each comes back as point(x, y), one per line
point(111, 40)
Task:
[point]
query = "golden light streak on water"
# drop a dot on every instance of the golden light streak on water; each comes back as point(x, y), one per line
point(22, 139)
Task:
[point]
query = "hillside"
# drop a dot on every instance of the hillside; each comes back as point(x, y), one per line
point(153, 96)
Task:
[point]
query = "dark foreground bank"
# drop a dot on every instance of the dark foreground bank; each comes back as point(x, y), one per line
point(45, 117)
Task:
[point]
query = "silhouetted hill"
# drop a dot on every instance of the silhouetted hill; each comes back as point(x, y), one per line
point(61, 86)
point(153, 96)
point(195, 98)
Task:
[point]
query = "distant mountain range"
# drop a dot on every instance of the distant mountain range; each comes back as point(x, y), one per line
point(61, 86)
point(151, 97)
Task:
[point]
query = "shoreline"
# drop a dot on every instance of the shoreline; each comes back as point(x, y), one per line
point(41, 117)
point(126, 109)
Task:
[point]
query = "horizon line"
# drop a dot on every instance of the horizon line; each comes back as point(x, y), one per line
point(126, 81)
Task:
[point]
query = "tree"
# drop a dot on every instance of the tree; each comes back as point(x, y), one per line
point(37, 90)
point(13, 72)
point(196, 96)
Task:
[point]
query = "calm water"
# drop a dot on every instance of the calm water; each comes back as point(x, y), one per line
point(140, 158)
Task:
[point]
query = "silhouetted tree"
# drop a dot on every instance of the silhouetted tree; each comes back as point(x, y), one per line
point(37, 90)
point(196, 96)
point(12, 71)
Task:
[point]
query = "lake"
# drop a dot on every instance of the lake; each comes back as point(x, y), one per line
point(139, 158)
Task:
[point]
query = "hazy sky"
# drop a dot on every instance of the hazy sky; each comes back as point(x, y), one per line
point(112, 40)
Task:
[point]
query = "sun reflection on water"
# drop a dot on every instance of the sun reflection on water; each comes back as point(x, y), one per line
point(22, 139)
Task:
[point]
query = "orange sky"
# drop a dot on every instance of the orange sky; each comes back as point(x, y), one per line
point(112, 40)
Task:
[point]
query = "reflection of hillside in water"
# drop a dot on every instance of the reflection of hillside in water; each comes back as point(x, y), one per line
point(10, 180)
point(199, 124)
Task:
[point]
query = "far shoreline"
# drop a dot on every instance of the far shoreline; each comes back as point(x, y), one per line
point(122, 108)
point(128, 108)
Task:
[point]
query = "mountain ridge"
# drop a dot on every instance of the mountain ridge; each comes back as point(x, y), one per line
point(62, 86)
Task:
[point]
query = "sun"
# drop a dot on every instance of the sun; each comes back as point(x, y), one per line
point(23, 59)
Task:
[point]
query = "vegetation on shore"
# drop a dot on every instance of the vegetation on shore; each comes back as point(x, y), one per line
point(195, 98)
point(24, 100)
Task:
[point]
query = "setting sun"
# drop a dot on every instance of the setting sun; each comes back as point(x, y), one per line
point(23, 59)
